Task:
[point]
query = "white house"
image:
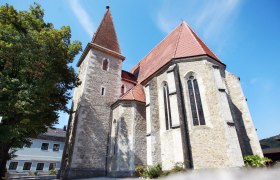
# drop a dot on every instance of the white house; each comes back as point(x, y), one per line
point(43, 155)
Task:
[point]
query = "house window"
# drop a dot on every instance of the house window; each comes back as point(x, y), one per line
point(45, 146)
point(40, 166)
point(13, 165)
point(27, 166)
point(52, 166)
point(122, 89)
point(102, 91)
point(167, 111)
point(105, 64)
point(56, 147)
point(195, 101)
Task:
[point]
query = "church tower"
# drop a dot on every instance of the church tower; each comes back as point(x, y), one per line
point(88, 128)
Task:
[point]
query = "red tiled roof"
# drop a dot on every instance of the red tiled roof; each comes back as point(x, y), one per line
point(181, 42)
point(128, 76)
point(136, 93)
point(105, 35)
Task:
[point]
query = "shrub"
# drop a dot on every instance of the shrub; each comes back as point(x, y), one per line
point(139, 170)
point(151, 171)
point(256, 161)
point(156, 171)
point(30, 173)
point(52, 172)
point(179, 167)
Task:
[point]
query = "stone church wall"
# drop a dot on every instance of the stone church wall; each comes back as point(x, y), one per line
point(246, 131)
point(153, 126)
point(93, 114)
point(128, 143)
point(210, 143)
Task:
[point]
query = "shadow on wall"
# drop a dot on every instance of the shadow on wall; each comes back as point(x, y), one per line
point(123, 159)
point(243, 138)
point(91, 142)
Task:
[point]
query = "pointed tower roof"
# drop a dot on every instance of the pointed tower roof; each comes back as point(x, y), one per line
point(181, 42)
point(105, 35)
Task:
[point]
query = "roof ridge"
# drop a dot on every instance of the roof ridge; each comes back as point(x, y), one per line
point(98, 29)
point(138, 64)
point(198, 41)
point(192, 33)
point(177, 43)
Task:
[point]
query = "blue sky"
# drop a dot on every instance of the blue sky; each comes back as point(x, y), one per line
point(244, 34)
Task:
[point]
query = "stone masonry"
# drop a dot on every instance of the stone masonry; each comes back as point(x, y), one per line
point(178, 105)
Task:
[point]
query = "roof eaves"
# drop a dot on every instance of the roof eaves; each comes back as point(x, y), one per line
point(133, 82)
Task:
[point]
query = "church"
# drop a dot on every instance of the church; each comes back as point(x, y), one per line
point(178, 104)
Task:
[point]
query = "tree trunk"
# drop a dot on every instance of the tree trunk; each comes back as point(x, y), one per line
point(4, 157)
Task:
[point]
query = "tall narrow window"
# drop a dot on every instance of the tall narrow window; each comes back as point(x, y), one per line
point(122, 89)
point(195, 101)
point(105, 64)
point(116, 138)
point(167, 106)
point(102, 91)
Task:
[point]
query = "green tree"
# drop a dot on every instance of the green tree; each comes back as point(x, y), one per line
point(35, 76)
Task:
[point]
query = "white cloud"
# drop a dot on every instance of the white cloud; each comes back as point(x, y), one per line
point(266, 85)
point(215, 15)
point(253, 81)
point(213, 19)
point(82, 16)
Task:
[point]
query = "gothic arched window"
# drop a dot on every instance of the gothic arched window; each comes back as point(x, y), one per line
point(105, 64)
point(122, 89)
point(167, 110)
point(195, 101)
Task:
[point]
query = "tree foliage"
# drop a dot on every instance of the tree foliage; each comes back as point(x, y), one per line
point(256, 161)
point(35, 75)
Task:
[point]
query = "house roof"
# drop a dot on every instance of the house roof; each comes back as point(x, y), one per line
point(129, 77)
point(106, 35)
point(271, 151)
point(54, 134)
point(181, 42)
point(136, 93)
point(277, 138)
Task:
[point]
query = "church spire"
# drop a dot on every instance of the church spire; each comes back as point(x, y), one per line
point(105, 35)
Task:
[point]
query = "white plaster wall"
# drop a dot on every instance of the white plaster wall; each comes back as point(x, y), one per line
point(148, 126)
point(171, 140)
